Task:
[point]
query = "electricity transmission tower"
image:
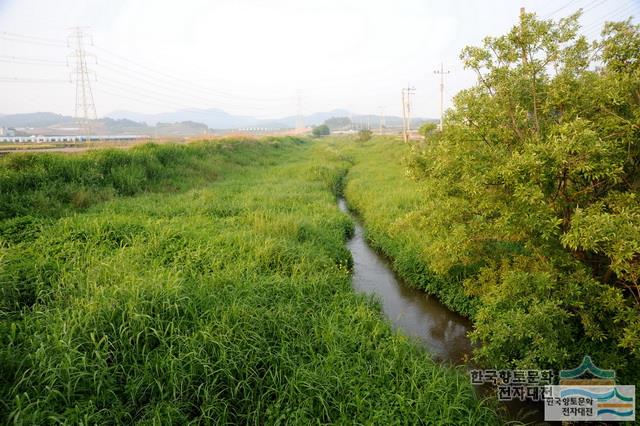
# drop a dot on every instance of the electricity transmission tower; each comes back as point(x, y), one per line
point(381, 122)
point(85, 106)
point(407, 92)
point(300, 116)
point(442, 72)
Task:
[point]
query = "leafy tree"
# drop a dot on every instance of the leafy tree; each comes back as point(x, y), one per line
point(364, 135)
point(535, 182)
point(427, 129)
point(338, 122)
point(321, 130)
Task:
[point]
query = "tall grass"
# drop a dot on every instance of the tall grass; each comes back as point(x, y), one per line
point(226, 302)
point(390, 204)
point(49, 184)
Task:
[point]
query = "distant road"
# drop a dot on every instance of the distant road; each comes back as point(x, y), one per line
point(67, 148)
point(55, 149)
point(80, 146)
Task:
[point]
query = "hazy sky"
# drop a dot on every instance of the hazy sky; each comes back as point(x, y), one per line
point(253, 56)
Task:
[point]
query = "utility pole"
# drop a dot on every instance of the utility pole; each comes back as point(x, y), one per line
point(442, 72)
point(404, 117)
point(381, 121)
point(300, 116)
point(406, 111)
point(524, 51)
point(85, 110)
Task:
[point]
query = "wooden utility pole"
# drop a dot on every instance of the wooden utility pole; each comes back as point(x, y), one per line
point(524, 51)
point(406, 111)
point(299, 115)
point(534, 96)
point(404, 117)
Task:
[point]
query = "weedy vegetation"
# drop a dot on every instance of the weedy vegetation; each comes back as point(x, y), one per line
point(206, 283)
point(210, 283)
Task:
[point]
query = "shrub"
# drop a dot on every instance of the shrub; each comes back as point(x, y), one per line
point(321, 130)
point(364, 135)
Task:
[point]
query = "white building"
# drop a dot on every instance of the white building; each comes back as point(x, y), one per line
point(4, 131)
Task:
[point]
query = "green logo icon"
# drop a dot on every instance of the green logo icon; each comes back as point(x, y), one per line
point(587, 365)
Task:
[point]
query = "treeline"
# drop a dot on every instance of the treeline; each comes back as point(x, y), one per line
point(533, 188)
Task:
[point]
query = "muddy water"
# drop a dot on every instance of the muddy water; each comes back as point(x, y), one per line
point(442, 331)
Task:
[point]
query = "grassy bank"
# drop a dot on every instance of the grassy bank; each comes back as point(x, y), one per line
point(523, 323)
point(52, 185)
point(378, 188)
point(224, 296)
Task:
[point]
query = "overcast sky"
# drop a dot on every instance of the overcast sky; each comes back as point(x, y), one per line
point(253, 56)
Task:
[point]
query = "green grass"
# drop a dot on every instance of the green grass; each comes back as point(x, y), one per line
point(52, 185)
point(217, 291)
point(390, 204)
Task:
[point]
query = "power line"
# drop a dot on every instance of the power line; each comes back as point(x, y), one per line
point(151, 77)
point(157, 84)
point(128, 88)
point(31, 80)
point(127, 91)
point(33, 38)
point(23, 58)
point(147, 101)
point(594, 4)
point(31, 61)
point(171, 98)
point(547, 16)
point(186, 83)
point(28, 41)
point(618, 13)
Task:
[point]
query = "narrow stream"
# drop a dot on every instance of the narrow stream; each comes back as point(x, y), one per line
point(419, 315)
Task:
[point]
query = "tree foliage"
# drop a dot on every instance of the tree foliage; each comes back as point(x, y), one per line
point(427, 129)
point(321, 130)
point(535, 182)
point(337, 123)
point(364, 135)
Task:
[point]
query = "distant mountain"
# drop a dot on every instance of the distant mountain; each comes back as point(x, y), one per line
point(34, 119)
point(189, 120)
point(185, 128)
point(122, 124)
point(213, 117)
point(221, 120)
point(309, 120)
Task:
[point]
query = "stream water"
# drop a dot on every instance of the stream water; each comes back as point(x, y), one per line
point(417, 314)
point(442, 332)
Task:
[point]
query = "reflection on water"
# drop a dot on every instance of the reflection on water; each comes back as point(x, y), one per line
point(417, 314)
